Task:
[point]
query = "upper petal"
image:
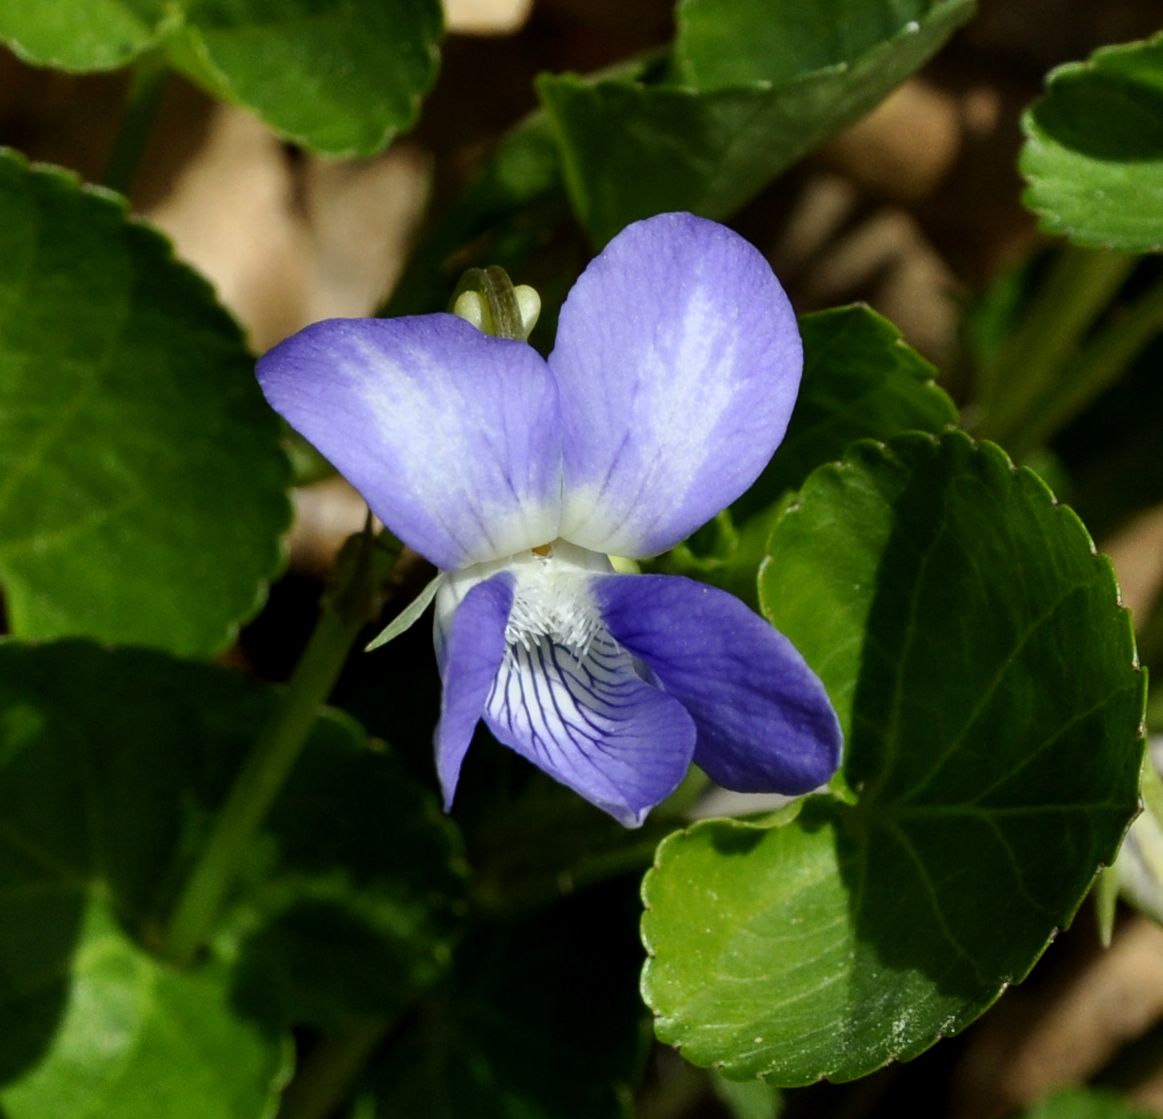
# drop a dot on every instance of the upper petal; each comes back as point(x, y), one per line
point(451, 436)
point(471, 654)
point(588, 720)
point(677, 362)
point(764, 720)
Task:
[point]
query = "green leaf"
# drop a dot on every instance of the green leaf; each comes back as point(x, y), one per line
point(83, 34)
point(111, 766)
point(538, 1020)
point(861, 381)
point(730, 42)
point(1086, 1103)
point(350, 910)
point(138, 1040)
point(984, 676)
point(141, 481)
point(342, 79)
point(1094, 149)
point(630, 149)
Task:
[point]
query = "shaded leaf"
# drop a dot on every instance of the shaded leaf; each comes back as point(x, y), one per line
point(112, 765)
point(630, 149)
point(1094, 149)
point(539, 1020)
point(984, 675)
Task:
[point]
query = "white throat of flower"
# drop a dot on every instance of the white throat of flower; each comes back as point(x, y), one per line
point(551, 598)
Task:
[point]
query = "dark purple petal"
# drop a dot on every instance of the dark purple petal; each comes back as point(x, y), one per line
point(677, 362)
point(471, 657)
point(591, 723)
point(451, 436)
point(764, 720)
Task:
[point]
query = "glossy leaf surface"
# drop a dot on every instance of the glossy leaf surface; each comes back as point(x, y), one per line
point(994, 758)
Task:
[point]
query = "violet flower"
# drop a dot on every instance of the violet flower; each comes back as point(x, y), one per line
point(675, 369)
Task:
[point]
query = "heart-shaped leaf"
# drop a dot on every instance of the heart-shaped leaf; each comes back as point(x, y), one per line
point(984, 675)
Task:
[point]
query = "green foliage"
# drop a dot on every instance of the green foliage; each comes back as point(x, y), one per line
point(1085, 1103)
point(141, 482)
point(112, 764)
point(342, 79)
point(940, 595)
point(137, 1040)
point(708, 137)
point(83, 34)
point(1094, 149)
point(539, 1020)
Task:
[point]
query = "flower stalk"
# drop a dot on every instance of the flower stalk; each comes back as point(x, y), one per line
point(345, 610)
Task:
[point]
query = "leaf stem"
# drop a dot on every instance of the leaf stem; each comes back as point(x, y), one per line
point(330, 1071)
point(149, 77)
point(276, 749)
point(1027, 369)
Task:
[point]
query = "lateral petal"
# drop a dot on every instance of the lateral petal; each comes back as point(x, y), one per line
point(591, 723)
point(470, 656)
point(677, 362)
point(451, 436)
point(764, 721)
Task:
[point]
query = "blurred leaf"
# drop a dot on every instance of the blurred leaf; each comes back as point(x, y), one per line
point(83, 34)
point(141, 481)
point(539, 1020)
point(1094, 149)
point(138, 1040)
point(112, 765)
point(630, 149)
point(984, 675)
point(1086, 1103)
point(861, 381)
point(341, 79)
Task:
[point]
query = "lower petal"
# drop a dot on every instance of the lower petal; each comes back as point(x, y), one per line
point(470, 655)
point(590, 722)
point(765, 723)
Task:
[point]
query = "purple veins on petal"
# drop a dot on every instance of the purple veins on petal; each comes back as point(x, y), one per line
point(765, 723)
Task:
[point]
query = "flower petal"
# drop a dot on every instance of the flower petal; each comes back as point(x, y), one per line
point(591, 723)
point(677, 362)
point(470, 656)
point(764, 720)
point(451, 436)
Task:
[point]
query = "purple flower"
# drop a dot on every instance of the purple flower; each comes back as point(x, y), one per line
point(674, 372)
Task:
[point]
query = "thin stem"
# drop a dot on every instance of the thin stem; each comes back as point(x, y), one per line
point(1096, 368)
point(275, 751)
point(328, 1074)
point(1028, 366)
point(141, 105)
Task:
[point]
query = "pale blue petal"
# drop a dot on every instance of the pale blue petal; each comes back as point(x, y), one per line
point(451, 436)
point(764, 721)
point(591, 723)
point(677, 362)
point(470, 657)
